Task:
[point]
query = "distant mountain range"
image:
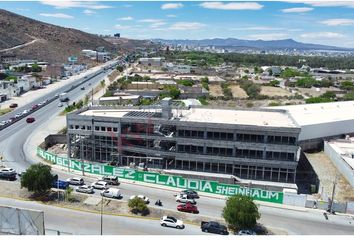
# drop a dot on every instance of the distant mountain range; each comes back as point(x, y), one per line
point(253, 44)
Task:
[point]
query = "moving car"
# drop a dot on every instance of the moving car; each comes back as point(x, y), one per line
point(111, 180)
point(30, 120)
point(188, 207)
point(111, 193)
point(246, 232)
point(60, 104)
point(75, 181)
point(13, 105)
point(190, 193)
point(213, 227)
point(8, 174)
point(146, 199)
point(85, 189)
point(185, 199)
point(82, 88)
point(60, 184)
point(168, 221)
point(99, 185)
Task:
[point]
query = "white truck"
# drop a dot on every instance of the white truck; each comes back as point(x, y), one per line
point(63, 97)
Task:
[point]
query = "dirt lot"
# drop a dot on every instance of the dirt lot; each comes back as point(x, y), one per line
point(274, 91)
point(215, 90)
point(238, 92)
point(326, 172)
point(311, 92)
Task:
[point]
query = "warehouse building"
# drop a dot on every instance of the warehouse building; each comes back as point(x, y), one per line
point(249, 144)
point(321, 121)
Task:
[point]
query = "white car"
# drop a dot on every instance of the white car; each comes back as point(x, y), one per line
point(75, 181)
point(111, 193)
point(185, 199)
point(246, 232)
point(167, 221)
point(99, 185)
point(146, 199)
point(85, 189)
point(60, 104)
point(25, 112)
point(7, 170)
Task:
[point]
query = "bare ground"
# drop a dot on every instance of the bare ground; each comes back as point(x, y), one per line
point(274, 91)
point(238, 92)
point(215, 90)
point(326, 172)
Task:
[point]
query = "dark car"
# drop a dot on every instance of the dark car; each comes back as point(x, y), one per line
point(82, 88)
point(30, 120)
point(190, 193)
point(188, 207)
point(60, 184)
point(13, 105)
point(35, 106)
point(213, 227)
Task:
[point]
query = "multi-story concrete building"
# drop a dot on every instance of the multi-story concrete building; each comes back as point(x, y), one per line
point(249, 144)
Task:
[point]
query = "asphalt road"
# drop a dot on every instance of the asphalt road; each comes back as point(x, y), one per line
point(15, 151)
point(69, 221)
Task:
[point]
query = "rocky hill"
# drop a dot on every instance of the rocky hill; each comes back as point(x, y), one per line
point(32, 39)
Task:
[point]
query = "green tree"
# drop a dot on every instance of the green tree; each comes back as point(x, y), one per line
point(68, 195)
point(347, 85)
point(240, 212)
point(137, 205)
point(37, 178)
point(274, 83)
point(186, 82)
point(120, 68)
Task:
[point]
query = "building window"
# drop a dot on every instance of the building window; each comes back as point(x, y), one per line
point(97, 128)
point(115, 129)
point(103, 129)
point(88, 127)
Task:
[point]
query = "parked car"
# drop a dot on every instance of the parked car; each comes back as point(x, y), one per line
point(75, 181)
point(188, 207)
point(35, 106)
point(99, 185)
point(60, 184)
point(85, 189)
point(146, 199)
point(25, 112)
point(213, 227)
point(168, 221)
point(30, 120)
point(18, 115)
point(185, 199)
point(246, 232)
point(8, 174)
point(82, 88)
point(60, 104)
point(190, 193)
point(111, 180)
point(111, 193)
point(13, 105)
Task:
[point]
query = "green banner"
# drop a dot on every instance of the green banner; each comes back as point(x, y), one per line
point(166, 180)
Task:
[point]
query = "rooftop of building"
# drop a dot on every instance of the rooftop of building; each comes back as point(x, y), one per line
point(345, 147)
point(309, 114)
point(263, 118)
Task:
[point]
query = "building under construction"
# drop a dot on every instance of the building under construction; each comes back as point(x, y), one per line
point(249, 144)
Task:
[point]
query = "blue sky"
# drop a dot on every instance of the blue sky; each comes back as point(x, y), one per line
point(330, 23)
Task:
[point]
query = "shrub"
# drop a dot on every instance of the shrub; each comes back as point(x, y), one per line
point(137, 205)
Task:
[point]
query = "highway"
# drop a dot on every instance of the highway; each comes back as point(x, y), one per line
point(16, 153)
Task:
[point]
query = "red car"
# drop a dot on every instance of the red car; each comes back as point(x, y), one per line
point(188, 207)
point(30, 120)
point(34, 106)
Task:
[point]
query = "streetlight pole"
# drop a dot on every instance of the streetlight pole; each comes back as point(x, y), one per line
point(102, 215)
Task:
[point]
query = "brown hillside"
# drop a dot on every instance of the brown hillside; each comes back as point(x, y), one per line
point(50, 43)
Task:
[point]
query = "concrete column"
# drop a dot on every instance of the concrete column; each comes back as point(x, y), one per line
point(205, 134)
point(234, 151)
point(264, 156)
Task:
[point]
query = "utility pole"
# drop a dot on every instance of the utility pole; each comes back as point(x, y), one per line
point(333, 192)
